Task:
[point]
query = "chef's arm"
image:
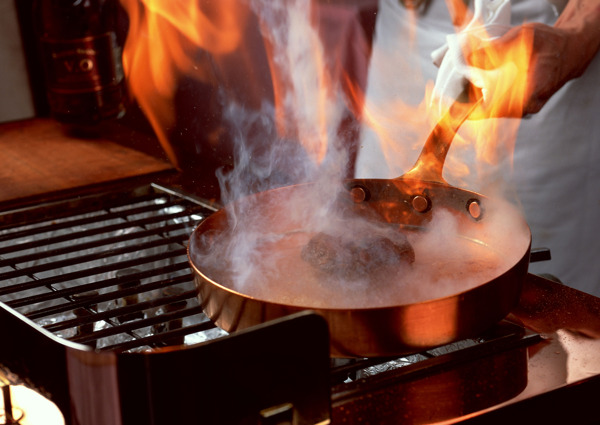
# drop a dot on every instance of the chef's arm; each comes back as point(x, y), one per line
point(580, 22)
point(559, 53)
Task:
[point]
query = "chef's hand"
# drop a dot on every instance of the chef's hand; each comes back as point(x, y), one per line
point(558, 54)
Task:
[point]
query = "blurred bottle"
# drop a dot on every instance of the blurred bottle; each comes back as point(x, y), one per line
point(81, 56)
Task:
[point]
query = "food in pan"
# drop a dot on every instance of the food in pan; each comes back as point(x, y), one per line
point(356, 257)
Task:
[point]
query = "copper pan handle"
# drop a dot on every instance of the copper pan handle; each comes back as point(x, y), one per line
point(430, 163)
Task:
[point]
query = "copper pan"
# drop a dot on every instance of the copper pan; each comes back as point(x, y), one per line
point(408, 202)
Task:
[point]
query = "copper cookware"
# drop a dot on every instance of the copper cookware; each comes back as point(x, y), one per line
point(407, 202)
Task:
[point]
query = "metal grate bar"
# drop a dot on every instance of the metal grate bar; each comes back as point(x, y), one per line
point(121, 311)
point(136, 324)
point(109, 296)
point(87, 272)
point(68, 219)
point(152, 340)
point(63, 293)
point(30, 271)
point(168, 203)
point(98, 231)
point(89, 245)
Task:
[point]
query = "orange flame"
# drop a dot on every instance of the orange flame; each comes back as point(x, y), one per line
point(504, 76)
point(165, 38)
point(162, 45)
point(458, 11)
point(480, 142)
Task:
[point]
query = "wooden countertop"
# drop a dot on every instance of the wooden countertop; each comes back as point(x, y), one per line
point(39, 159)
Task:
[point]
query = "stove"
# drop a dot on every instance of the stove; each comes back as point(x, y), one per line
point(99, 318)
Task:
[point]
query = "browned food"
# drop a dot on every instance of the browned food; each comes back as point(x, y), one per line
point(356, 258)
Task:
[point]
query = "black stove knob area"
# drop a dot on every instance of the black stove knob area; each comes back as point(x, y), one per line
point(267, 374)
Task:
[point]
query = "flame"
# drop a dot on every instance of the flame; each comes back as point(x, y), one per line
point(307, 85)
point(458, 11)
point(501, 69)
point(505, 70)
point(162, 46)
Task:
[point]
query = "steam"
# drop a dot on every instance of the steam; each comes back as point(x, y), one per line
point(308, 106)
point(296, 139)
point(293, 141)
point(262, 257)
